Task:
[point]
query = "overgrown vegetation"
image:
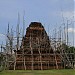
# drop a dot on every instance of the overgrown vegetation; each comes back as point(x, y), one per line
point(70, 49)
point(2, 62)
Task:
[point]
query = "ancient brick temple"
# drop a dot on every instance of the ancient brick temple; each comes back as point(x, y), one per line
point(36, 52)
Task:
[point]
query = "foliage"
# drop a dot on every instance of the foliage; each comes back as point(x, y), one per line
point(2, 62)
point(69, 49)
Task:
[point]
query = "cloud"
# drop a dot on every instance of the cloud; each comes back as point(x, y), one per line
point(71, 30)
point(2, 37)
point(68, 14)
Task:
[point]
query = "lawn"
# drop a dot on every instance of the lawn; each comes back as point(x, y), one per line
point(39, 72)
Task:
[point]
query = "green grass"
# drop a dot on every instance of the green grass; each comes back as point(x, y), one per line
point(39, 72)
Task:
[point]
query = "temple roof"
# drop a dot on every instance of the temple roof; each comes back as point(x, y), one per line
point(36, 24)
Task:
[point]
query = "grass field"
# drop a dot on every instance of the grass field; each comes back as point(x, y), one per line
point(39, 72)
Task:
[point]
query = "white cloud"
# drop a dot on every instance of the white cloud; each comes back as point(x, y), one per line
point(71, 30)
point(68, 14)
point(2, 37)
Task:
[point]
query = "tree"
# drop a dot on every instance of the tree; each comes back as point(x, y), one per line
point(2, 62)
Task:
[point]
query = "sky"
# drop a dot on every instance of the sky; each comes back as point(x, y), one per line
point(51, 13)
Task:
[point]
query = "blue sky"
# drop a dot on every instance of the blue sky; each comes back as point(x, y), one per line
point(48, 12)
